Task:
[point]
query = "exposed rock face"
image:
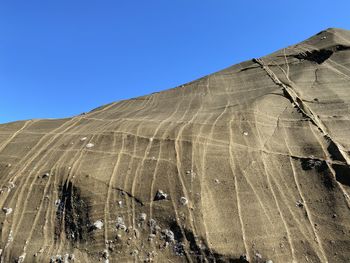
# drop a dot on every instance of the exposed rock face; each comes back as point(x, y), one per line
point(259, 150)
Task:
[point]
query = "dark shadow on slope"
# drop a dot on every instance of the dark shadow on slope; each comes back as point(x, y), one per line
point(201, 253)
point(310, 163)
point(320, 56)
point(334, 152)
point(342, 173)
point(72, 214)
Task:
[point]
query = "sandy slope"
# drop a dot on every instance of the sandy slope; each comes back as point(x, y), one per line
point(259, 150)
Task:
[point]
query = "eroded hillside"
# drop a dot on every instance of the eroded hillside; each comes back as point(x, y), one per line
point(247, 164)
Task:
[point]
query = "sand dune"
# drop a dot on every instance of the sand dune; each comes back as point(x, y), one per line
point(247, 164)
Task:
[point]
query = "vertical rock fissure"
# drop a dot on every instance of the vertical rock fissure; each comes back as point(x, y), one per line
point(306, 111)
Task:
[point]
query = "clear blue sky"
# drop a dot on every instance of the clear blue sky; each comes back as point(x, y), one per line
point(61, 58)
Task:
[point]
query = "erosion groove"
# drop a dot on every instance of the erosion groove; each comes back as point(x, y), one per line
point(249, 164)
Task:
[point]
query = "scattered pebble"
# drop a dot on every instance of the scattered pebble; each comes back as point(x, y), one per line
point(324, 37)
point(98, 224)
point(243, 258)
point(299, 203)
point(21, 258)
point(46, 175)
point(83, 139)
point(269, 261)
point(152, 223)
point(334, 215)
point(312, 163)
point(143, 217)
point(120, 203)
point(151, 236)
point(179, 249)
point(105, 255)
point(57, 258)
point(8, 165)
point(120, 223)
point(135, 252)
point(217, 181)
point(191, 172)
point(57, 202)
point(245, 133)
point(183, 201)
point(90, 145)
point(160, 195)
point(168, 235)
point(151, 139)
point(7, 210)
point(68, 257)
point(11, 185)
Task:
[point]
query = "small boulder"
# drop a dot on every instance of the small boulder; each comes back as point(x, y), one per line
point(160, 195)
point(98, 224)
point(7, 210)
point(299, 203)
point(183, 201)
point(168, 235)
point(120, 224)
point(143, 217)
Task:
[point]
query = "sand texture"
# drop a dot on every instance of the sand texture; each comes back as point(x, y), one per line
point(247, 164)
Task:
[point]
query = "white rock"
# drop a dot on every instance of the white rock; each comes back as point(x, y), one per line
point(152, 223)
point(21, 258)
point(7, 210)
point(90, 145)
point(83, 139)
point(10, 238)
point(105, 256)
point(168, 235)
point(183, 201)
point(151, 139)
point(245, 133)
point(143, 217)
point(11, 185)
point(98, 224)
point(66, 258)
point(160, 195)
point(120, 223)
